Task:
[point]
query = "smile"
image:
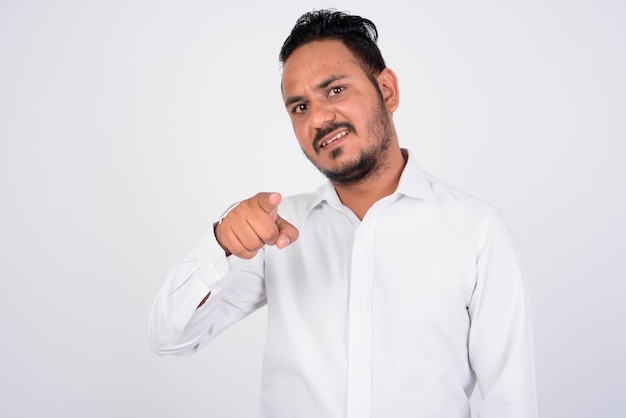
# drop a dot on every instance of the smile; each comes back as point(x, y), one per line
point(334, 138)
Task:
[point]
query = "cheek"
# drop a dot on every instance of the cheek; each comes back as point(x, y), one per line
point(300, 131)
point(353, 111)
point(303, 144)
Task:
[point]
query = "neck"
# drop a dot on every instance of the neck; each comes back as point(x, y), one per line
point(360, 197)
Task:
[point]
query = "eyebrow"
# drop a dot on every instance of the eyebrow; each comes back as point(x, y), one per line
point(330, 80)
point(321, 86)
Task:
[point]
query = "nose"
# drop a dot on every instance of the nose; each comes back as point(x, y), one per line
point(321, 114)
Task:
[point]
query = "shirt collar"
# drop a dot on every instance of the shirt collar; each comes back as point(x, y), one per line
point(413, 183)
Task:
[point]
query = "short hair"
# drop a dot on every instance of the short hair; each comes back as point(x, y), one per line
point(358, 34)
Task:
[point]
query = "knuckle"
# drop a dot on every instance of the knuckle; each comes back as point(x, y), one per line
point(245, 250)
point(252, 245)
point(236, 248)
point(269, 233)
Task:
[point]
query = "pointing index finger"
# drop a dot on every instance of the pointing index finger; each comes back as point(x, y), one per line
point(269, 201)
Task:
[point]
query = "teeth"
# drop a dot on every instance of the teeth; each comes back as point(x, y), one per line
point(333, 139)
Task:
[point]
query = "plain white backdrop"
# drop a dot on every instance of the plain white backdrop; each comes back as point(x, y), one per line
point(126, 127)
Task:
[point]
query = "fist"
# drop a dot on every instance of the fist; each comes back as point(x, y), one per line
point(253, 224)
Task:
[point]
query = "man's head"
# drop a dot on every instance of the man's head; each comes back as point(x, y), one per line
point(358, 34)
point(340, 96)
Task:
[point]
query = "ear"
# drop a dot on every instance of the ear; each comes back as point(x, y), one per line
point(388, 84)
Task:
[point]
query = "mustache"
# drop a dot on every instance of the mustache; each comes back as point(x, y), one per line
point(329, 128)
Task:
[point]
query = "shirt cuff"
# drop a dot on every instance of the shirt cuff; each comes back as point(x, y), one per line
point(212, 260)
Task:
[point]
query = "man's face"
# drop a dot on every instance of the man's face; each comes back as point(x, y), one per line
point(338, 115)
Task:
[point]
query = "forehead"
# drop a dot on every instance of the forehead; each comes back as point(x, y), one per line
point(316, 60)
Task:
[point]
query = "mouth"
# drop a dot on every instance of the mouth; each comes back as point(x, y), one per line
point(339, 135)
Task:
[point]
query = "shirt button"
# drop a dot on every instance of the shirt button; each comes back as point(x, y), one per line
point(360, 374)
point(360, 304)
point(363, 239)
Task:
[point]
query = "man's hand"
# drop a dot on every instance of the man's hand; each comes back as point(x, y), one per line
point(253, 224)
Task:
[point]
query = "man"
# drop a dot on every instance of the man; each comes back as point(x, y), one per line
point(389, 293)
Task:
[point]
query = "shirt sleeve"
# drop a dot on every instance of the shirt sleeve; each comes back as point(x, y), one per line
point(500, 340)
point(177, 326)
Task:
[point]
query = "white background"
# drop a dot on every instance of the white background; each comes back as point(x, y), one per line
point(126, 127)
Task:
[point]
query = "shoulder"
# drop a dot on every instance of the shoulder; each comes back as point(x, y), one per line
point(484, 221)
point(466, 208)
point(455, 199)
point(426, 187)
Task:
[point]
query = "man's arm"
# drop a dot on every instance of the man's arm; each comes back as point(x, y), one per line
point(500, 340)
point(254, 224)
point(210, 290)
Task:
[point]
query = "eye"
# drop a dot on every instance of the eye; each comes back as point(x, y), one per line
point(299, 108)
point(335, 91)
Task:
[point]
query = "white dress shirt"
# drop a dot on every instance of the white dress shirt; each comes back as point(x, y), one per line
point(397, 315)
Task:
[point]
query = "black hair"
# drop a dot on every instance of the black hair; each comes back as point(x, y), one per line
point(358, 34)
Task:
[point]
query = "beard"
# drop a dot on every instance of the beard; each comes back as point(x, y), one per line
point(371, 160)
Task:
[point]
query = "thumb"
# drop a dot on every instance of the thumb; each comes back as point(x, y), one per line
point(287, 233)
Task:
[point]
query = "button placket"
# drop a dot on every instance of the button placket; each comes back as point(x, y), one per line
point(360, 324)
